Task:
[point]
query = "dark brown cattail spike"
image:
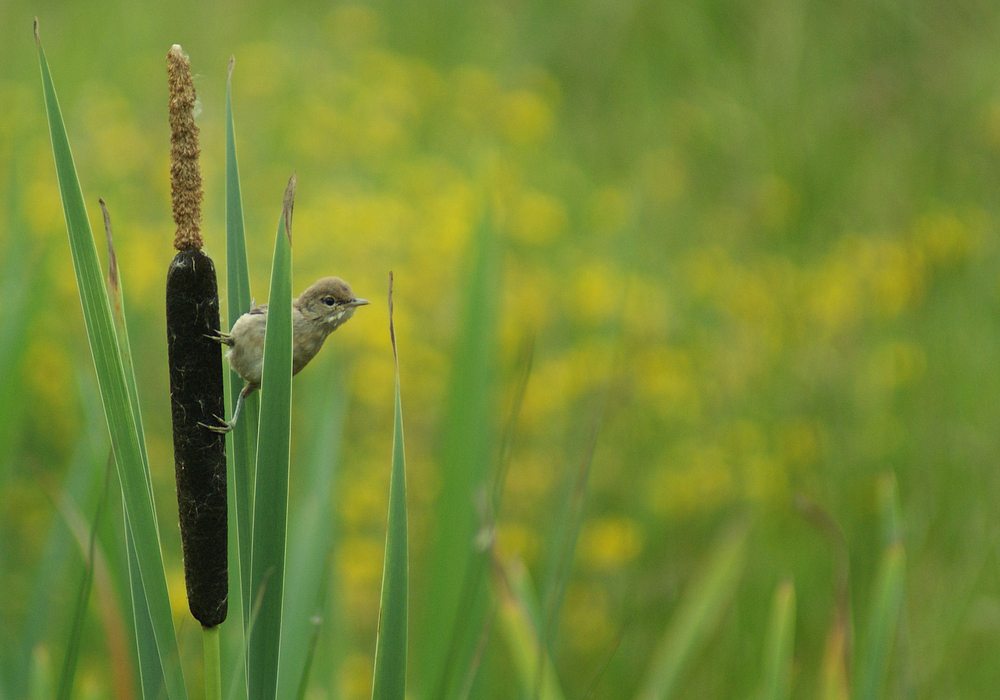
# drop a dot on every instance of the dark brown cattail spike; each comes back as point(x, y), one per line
point(195, 359)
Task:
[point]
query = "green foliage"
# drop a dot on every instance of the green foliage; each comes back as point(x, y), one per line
point(119, 408)
point(771, 246)
point(389, 678)
point(454, 597)
point(779, 645)
point(270, 509)
point(698, 614)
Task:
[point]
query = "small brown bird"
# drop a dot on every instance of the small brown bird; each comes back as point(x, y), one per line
point(316, 313)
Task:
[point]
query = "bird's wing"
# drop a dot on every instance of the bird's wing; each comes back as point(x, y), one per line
point(254, 310)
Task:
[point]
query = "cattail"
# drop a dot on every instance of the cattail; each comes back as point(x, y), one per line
point(196, 385)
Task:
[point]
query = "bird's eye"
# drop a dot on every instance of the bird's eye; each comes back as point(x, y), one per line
point(329, 301)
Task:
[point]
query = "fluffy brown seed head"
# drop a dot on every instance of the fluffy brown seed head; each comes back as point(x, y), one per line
point(185, 173)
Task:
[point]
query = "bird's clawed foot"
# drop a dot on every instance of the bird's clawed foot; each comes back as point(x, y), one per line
point(222, 427)
point(223, 338)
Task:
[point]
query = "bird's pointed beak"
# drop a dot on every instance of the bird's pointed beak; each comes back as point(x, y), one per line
point(360, 302)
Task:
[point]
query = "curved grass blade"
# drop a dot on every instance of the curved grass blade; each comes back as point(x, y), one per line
point(780, 644)
point(888, 599)
point(521, 617)
point(887, 603)
point(390, 646)
point(118, 408)
point(267, 559)
point(83, 596)
point(835, 667)
point(697, 615)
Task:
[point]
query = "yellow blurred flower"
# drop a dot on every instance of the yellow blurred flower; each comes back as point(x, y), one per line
point(363, 503)
point(525, 117)
point(177, 590)
point(595, 293)
point(835, 300)
point(896, 277)
point(609, 543)
point(359, 562)
point(356, 676)
point(943, 237)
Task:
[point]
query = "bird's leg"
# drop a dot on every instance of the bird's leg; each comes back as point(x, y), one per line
point(222, 338)
point(225, 426)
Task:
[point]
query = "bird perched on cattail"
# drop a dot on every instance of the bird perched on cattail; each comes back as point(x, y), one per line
point(316, 313)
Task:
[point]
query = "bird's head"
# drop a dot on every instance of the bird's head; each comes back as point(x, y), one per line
point(329, 302)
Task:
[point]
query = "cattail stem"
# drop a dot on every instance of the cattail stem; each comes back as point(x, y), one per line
point(195, 362)
point(213, 669)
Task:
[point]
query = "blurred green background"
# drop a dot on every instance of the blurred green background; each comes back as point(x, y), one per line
point(755, 242)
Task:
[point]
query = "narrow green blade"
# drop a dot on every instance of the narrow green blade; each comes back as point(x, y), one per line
point(697, 615)
point(267, 560)
point(244, 436)
point(389, 682)
point(118, 408)
point(564, 543)
point(780, 644)
point(75, 644)
point(150, 673)
point(241, 447)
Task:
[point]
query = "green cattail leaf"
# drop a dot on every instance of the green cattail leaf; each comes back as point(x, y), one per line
point(243, 442)
point(119, 411)
point(389, 681)
point(267, 559)
point(150, 670)
point(697, 615)
point(779, 645)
